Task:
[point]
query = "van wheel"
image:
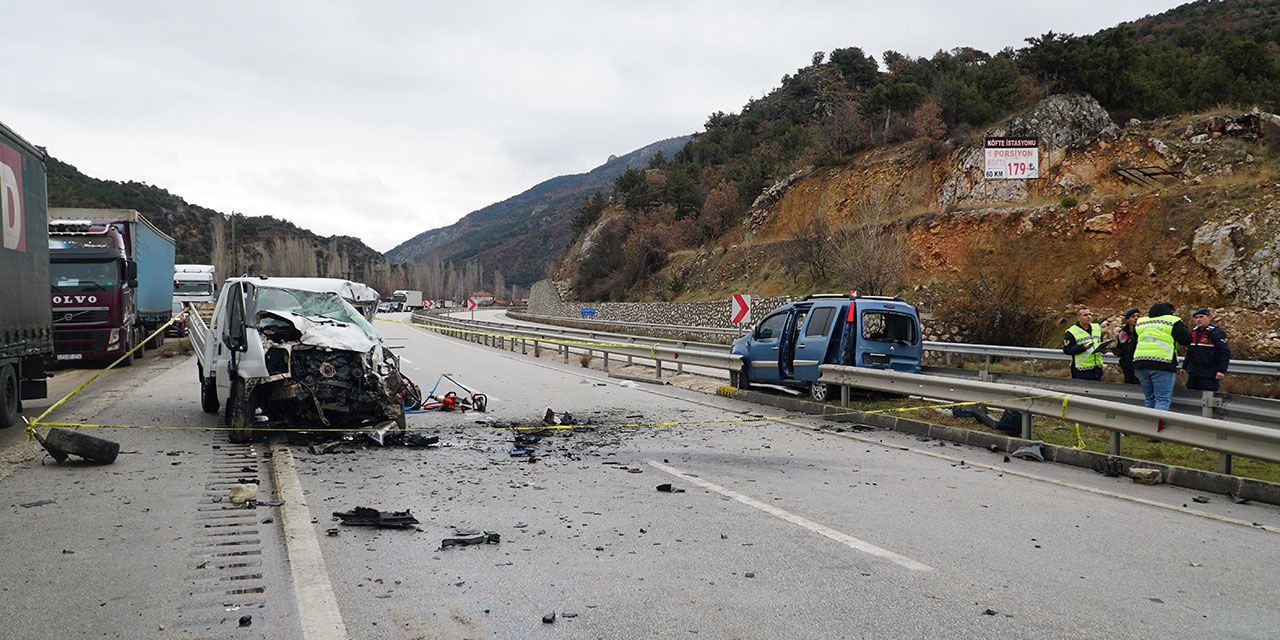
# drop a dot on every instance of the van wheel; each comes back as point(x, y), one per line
point(10, 397)
point(238, 414)
point(819, 391)
point(741, 379)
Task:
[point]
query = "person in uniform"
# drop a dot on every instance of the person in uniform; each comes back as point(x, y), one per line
point(1155, 359)
point(1083, 342)
point(1208, 354)
point(1126, 342)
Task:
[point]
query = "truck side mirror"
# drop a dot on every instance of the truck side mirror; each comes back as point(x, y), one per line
point(133, 283)
point(131, 272)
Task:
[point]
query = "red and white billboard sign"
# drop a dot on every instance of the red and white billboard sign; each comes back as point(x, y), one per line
point(1012, 158)
point(740, 308)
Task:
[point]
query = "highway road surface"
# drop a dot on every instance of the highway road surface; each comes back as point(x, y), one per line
point(775, 528)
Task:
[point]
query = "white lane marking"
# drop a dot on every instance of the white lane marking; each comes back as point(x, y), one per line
point(317, 603)
point(820, 529)
point(404, 359)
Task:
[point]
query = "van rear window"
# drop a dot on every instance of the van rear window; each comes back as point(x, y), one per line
point(819, 322)
point(888, 326)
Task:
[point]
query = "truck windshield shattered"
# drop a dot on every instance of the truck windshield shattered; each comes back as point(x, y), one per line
point(312, 304)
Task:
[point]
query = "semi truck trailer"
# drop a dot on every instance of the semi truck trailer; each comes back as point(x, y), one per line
point(26, 323)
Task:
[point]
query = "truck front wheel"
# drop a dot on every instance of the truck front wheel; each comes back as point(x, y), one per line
point(239, 413)
point(10, 396)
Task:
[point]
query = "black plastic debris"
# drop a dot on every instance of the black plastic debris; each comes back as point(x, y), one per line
point(488, 537)
point(322, 448)
point(1030, 452)
point(989, 612)
point(1237, 499)
point(526, 438)
point(667, 488)
point(1110, 467)
point(246, 621)
point(367, 517)
point(1200, 499)
point(414, 439)
point(549, 618)
point(37, 503)
point(1010, 422)
point(549, 417)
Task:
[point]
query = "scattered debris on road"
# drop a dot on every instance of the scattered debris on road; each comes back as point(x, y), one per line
point(1237, 499)
point(368, 517)
point(1200, 499)
point(488, 537)
point(667, 488)
point(1030, 452)
point(549, 618)
point(242, 493)
point(1146, 476)
point(37, 503)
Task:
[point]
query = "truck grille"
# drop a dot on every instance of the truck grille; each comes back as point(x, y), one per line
point(80, 341)
point(91, 315)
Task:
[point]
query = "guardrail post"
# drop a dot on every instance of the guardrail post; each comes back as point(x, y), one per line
point(1206, 410)
point(679, 368)
point(523, 346)
point(1114, 446)
point(844, 396)
point(1026, 425)
point(986, 369)
point(565, 348)
point(657, 367)
point(606, 361)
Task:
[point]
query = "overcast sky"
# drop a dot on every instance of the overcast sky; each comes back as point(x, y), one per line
point(384, 119)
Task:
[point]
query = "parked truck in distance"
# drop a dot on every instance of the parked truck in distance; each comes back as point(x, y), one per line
point(287, 352)
point(111, 275)
point(406, 300)
point(194, 283)
point(26, 323)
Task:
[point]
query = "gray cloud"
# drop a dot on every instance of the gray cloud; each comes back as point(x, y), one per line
point(385, 119)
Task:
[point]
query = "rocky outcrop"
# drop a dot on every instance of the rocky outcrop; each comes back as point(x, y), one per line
point(1243, 258)
point(1060, 121)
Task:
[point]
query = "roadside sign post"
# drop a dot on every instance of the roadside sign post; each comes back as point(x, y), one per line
point(740, 309)
point(1012, 158)
point(471, 306)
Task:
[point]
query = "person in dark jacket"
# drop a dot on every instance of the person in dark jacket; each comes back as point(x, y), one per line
point(1155, 359)
point(1126, 342)
point(1208, 354)
point(1083, 342)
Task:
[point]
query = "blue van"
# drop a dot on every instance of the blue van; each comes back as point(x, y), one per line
point(787, 346)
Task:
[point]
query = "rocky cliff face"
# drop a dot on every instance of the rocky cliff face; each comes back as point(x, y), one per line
point(1180, 209)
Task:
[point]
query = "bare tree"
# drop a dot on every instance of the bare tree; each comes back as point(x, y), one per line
point(810, 249)
point(868, 255)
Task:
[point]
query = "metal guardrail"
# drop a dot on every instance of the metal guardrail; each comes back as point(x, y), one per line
point(670, 352)
point(1248, 367)
point(1245, 367)
point(1244, 409)
point(1229, 438)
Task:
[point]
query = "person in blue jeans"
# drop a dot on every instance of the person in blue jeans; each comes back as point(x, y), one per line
point(1155, 359)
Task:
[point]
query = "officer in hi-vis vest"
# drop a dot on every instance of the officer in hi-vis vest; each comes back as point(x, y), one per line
point(1083, 342)
point(1155, 359)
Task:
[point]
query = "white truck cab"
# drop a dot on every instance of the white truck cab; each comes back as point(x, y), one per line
point(294, 351)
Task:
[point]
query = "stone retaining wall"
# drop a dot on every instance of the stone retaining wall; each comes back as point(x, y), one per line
point(545, 300)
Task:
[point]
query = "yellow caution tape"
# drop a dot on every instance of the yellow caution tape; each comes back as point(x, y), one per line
point(31, 432)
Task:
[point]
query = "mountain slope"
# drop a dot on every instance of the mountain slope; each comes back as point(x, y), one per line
point(521, 235)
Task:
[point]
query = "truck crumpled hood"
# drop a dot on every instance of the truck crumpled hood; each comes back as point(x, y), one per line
point(325, 332)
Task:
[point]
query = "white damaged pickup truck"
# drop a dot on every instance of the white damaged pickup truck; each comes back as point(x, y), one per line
point(292, 352)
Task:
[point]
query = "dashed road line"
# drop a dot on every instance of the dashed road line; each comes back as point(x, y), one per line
point(820, 529)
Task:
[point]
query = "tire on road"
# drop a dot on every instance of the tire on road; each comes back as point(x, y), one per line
point(239, 413)
point(10, 396)
point(82, 444)
point(741, 379)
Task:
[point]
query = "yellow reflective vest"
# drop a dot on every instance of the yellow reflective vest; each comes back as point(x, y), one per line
point(1085, 360)
point(1155, 339)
